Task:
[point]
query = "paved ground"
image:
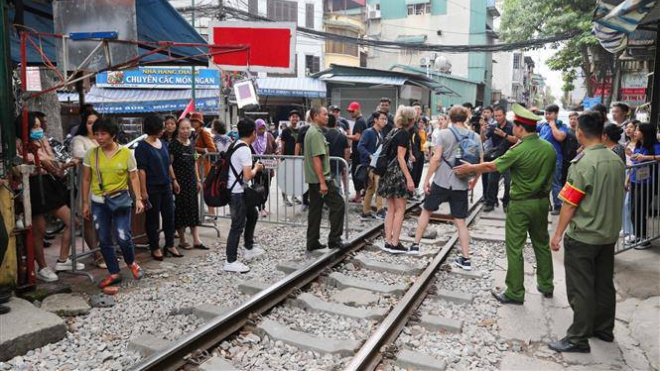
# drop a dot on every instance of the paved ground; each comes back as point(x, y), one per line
point(637, 332)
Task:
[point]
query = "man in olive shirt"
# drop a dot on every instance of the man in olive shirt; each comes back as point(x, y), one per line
point(593, 199)
point(322, 188)
point(532, 163)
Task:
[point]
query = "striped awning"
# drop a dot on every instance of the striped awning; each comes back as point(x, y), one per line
point(613, 23)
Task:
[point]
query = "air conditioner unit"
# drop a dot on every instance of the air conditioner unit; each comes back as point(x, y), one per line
point(374, 14)
point(424, 61)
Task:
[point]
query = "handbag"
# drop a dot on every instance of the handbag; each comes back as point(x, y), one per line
point(116, 201)
point(254, 195)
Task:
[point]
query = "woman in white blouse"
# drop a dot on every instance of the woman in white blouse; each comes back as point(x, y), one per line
point(81, 142)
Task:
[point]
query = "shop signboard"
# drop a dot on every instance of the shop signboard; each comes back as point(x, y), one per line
point(160, 78)
point(633, 87)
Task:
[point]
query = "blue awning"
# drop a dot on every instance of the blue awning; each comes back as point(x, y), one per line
point(156, 20)
point(306, 87)
point(614, 23)
point(122, 101)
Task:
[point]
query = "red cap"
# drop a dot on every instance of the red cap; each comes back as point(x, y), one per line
point(354, 106)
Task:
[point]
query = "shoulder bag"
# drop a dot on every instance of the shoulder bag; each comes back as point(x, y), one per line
point(116, 201)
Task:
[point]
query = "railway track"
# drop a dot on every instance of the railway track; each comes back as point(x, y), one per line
point(338, 270)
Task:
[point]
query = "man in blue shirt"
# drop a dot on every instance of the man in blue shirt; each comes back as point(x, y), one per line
point(554, 131)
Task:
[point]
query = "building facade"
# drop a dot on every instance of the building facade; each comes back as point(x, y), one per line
point(436, 22)
point(345, 18)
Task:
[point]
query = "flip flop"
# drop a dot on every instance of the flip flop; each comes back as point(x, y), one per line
point(201, 247)
point(185, 246)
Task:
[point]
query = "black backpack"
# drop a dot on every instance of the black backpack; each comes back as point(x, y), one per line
point(216, 190)
point(387, 153)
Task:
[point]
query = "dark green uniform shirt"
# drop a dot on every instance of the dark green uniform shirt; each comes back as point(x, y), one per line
point(532, 164)
point(599, 174)
point(316, 145)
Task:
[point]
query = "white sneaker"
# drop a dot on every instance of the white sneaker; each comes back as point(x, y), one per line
point(47, 275)
point(630, 239)
point(236, 266)
point(67, 266)
point(253, 253)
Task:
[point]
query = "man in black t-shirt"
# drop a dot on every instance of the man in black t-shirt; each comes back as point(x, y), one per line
point(384, 106)
point(341, 122)
point(289, 135)
point(359, 126)
point(338, 144)
point(289, 138)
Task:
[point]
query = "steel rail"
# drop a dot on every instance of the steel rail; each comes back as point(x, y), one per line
point(369, 356)
point(221, 327)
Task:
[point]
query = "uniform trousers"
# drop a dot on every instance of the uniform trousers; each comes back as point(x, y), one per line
point(335, 203)
point(523, 217)
point(590, 289)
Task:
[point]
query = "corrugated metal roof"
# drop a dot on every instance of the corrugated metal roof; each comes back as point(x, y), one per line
point(102, 95)
point(307, 87)
point(381, 80)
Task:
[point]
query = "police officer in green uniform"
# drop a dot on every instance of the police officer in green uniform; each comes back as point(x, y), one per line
point(322, 189)
point(593, 200)
point(531, 162)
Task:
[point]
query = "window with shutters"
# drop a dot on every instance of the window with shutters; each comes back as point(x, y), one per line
point(283, 10)
point(309, 15)
point(312, 64)
point(253, 7)
point(516, 61)
point(341, 47)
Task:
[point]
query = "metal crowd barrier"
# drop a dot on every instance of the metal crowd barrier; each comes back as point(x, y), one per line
point(641, 210)
point(287, 182)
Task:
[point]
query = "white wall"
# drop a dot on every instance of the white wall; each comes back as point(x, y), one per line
point(503, 73)
point(455, 29)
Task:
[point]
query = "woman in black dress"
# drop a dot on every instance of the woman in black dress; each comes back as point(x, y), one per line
point(186, 210)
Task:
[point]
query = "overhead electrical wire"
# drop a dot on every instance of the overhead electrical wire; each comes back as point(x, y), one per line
point(413, 46)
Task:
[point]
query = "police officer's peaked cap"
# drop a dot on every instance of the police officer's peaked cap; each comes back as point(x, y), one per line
point(524, 116)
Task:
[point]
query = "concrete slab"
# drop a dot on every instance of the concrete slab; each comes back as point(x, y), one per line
point(636, 273)
point(309, 301)
point(343, 281)
point(65, 305)
point(625, 309)
point(522, 322)
point(441, 323)
point(216, 363)
point(378, 266)
point(560, 320)
point(355, 297)
point(289, 267)
point(147, 344)
point(207, 311)
point(521, 362)
point(644, 328)
point(276, 331)
point(410, 360)
point(633, 355)
point(251, 287)
point(602, 353)
point(454, 296)
point(27, 327)
point(466, 274)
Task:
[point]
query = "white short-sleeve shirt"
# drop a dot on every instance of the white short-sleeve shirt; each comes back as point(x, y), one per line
point(241, 158)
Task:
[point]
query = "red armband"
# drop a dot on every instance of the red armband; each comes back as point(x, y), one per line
point(571, 194)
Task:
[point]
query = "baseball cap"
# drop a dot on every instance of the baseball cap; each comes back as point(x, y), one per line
point(354, 106)
point(334, 108)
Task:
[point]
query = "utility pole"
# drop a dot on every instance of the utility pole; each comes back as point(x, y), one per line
point(193, 70)
point(6, 95)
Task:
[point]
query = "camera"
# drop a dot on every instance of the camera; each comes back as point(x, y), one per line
point(475, 119)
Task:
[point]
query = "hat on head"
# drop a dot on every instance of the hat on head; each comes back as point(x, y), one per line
point(354, 106)
point(524, 116)
point(294, 112)
point(334, 108)
point(197, 116)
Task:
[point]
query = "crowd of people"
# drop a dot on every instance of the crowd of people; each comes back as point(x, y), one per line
point(165, 170)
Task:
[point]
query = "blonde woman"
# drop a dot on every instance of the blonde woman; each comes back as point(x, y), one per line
point(397, 181)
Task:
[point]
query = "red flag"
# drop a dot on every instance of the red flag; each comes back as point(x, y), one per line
point(189, 108)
